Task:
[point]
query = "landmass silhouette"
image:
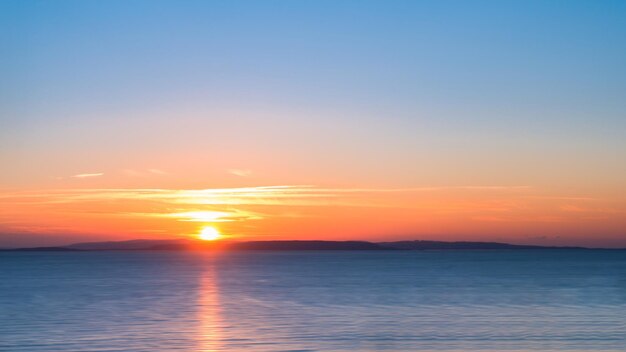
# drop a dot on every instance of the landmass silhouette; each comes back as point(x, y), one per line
point(286, 245)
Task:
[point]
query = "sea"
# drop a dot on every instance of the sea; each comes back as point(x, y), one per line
point(492, 300)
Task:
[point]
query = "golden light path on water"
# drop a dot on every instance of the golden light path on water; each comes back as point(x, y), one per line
point(210, 325)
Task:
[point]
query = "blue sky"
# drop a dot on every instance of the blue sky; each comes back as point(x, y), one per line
point(546, 73)
point(539, 57)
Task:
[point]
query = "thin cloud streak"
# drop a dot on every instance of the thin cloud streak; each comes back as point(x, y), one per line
point(261, 195)
point(240, 172)
point(97, 174)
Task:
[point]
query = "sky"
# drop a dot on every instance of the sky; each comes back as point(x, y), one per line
point(339, 120)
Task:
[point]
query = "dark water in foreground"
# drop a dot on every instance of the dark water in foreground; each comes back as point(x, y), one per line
point(314, 301)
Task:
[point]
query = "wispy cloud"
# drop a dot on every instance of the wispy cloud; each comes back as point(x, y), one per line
point(87, 175)
point(240, 172)
point(288, 195)
point(205, 216)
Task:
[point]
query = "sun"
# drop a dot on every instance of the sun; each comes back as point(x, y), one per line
point(209, 234)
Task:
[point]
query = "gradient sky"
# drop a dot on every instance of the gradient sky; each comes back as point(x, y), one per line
point(374, 120)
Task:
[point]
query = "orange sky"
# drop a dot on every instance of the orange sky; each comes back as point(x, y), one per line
point(519, 214)
point(284, 176)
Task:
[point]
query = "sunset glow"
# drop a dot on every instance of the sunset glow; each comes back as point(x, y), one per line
point(305, 212)
point(209, 234)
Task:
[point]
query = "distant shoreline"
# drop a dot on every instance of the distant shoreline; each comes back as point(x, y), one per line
point(295, 245)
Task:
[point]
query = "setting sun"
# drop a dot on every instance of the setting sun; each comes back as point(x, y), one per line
point(209, 234)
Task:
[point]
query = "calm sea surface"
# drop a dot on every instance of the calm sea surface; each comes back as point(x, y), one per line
point(314, 301)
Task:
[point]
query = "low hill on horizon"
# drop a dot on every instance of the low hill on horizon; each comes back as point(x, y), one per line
point(185, 244)
point(441, 245)
point(137, 244)
point(288, 245)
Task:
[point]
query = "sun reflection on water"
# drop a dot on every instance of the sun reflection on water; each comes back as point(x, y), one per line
point(209, 313)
